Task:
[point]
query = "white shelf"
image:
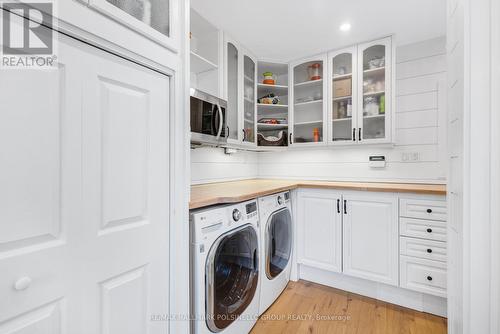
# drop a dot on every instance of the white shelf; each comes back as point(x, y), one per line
point(247, 78)
point(309, 83)
point(343, 76)
point(374, 93)
point(268, 87)
point(200, 64)
point(249, 120)
point(308, 102)
point(343, 119)
point(272, 106)
point(249, 100)
point(374, 116)
point(309, 122)
point(265, 126)
point(342, 98)
point(374, 70)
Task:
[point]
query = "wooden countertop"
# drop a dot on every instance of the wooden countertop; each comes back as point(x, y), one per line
point(238, 191)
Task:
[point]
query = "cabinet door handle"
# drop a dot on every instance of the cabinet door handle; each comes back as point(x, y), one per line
point(429, 278)
point(227, 134)
point(429, 230)
point(429, 250)
point(244, 135)
point(345, 207)
point(429, 210)
point(338, 205)
point(354, 134)
point(359, 134)
point(290, 138)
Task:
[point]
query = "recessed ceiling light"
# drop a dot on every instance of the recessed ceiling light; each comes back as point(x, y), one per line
point(345, 26)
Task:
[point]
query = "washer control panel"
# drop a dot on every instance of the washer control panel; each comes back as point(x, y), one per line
point(251, 209)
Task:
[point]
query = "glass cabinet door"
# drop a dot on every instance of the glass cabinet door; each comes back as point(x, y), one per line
point(249, 71)
point(308, 104)
point(232, 91)
point(375, 90)
point(343, 120)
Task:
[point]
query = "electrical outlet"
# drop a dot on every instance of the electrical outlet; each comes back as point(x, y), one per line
point(410, 156)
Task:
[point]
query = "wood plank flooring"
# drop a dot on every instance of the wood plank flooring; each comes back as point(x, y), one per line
point(306, 307)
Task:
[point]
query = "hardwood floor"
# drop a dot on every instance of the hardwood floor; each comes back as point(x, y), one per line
point(304, 307)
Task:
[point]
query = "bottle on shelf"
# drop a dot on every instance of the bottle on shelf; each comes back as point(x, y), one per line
point(316, 134)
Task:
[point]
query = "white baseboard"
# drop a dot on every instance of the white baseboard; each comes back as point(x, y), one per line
point(387, 293)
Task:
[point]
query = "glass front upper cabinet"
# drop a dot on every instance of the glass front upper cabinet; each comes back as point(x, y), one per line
point(152, 18)
point(249, 74)
point(343, 96)
point(309, 106)
point(375, 91)
point(232, 55)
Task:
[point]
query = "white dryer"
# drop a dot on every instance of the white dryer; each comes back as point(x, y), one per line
point(276, 237)
point(225, 278)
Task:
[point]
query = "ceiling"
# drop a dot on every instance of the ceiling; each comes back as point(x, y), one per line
point(290, 29)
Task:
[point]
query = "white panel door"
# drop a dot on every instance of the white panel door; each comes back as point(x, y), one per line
point(39, 194)
point(125, 196)
point(319, 230)
point(84, 196)
point(370, 228)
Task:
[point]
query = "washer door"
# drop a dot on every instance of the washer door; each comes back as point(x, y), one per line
point(232, 275)
point(278, 242)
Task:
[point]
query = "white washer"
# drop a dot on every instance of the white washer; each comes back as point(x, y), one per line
point(276, 237)
point(225, 282)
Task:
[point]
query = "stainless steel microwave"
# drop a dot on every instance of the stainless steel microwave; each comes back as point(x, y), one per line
point(208, 119)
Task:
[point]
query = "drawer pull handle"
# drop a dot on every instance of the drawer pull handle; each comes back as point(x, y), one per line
point(429, 250)
point(22, 283)
point(429, 210)
point(429, 278)
point(429, 230)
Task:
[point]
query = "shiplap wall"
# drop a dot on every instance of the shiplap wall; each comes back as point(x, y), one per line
point(212, 165)
point(420, 121)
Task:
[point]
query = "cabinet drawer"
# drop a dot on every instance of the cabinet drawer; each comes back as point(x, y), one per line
point(422, 209)
point(425, 249)
point(423, 275)
point(419, 228)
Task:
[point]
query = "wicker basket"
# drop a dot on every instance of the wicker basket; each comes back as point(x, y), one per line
point(282, 141)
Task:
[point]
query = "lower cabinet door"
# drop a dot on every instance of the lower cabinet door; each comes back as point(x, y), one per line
point(370, 231)
point(319, 230)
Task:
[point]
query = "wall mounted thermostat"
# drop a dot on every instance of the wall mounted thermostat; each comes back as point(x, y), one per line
point(377, 161)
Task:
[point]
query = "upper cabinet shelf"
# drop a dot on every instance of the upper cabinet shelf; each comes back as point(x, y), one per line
point(200, 64)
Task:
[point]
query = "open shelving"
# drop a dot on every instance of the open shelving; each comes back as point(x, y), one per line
point(279, 90)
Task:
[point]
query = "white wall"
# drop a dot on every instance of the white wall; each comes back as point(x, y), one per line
point(212, 165)
point(420, 128)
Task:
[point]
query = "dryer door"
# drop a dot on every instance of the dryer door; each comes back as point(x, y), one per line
point(278, 242)
point(232, 276)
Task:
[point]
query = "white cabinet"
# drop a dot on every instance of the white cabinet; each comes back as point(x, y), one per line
point(308, 112)
point(240, 77)
point(371, 237)
point(84, 187)
point(155, 19)
point(374, 70)
point(206, 57)
point(342, 96)
point(360, 94)
point(319, 230)
point(353, 233)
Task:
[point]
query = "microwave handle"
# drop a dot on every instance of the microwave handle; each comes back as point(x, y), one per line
point(221, 121)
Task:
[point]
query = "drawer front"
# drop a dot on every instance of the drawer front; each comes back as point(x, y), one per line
point(419, 228)
point(422, 209)
point(425, 249)
point(423, 276)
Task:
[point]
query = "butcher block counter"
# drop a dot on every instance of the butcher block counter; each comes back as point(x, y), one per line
point(238, 191)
